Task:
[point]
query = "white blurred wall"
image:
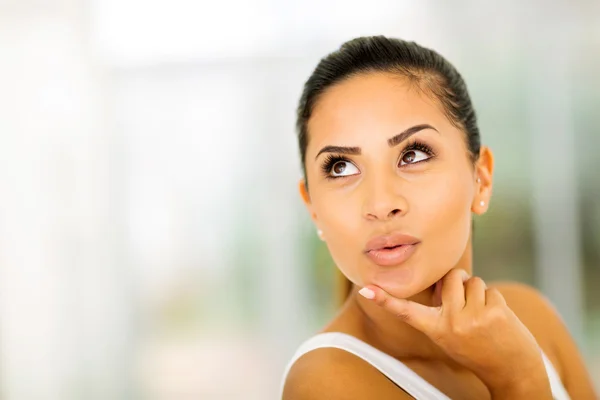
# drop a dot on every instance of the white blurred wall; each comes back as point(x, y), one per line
point(64, 302)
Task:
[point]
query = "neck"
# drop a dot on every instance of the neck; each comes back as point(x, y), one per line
point(389, 333)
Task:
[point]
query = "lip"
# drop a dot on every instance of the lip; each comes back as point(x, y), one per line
point(392, 249)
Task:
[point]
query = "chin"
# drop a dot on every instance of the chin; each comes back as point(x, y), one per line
point(404, 293)
point(400, 281)
point(398, 289)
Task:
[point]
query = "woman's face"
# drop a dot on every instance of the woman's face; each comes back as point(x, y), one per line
point(384, 160)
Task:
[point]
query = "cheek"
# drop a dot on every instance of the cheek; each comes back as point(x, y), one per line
point(446, 218)
point(339, 218)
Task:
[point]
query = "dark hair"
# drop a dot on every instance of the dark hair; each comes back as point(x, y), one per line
point(421, 66)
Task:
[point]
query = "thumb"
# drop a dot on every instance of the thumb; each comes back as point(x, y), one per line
point(419, 316)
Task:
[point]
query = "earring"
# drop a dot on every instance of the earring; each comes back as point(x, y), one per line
point(478, 180)
point(320, 234)
point(482, 203)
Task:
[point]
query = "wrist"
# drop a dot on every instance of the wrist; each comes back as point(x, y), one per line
point(523, 387)
point(526, 379)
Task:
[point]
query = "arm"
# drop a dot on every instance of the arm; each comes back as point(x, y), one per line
point(540, 317)
point(334, 374)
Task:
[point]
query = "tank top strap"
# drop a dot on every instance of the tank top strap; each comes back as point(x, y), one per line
point(395, 370)
point(392, 368)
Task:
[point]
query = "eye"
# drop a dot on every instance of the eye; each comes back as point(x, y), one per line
point(337, 166)
point(416, 152)
point(413, 157)
point(343, 168)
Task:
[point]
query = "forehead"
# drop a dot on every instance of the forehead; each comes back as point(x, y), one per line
point(373, 104)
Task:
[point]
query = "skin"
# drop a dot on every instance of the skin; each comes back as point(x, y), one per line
point(467, 339)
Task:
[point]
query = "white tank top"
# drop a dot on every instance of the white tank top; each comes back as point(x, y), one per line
point(395, 370)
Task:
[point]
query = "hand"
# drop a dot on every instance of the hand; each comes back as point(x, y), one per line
point(476, 328)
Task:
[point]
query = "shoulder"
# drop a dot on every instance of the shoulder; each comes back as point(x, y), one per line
point(535, 311)
point(538, 314)
point(528, 303)
point(330, 373)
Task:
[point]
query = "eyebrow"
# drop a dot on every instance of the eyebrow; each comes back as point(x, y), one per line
point(393, 141)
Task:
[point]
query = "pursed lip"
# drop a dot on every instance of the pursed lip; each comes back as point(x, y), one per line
point(391, 250)
point(389, 241)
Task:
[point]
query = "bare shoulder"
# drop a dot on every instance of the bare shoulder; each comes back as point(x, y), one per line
point(541, 318)
point(332, 374)
point(530, 305)
point(538, 315)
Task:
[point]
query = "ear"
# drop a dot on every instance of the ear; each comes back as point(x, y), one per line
point(303, 189)
point(484, 170)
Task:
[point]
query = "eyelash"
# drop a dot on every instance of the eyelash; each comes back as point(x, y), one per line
point(332, 159)
point(421, 146)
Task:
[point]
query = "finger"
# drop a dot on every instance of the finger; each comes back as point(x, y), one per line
point(453, 290)
point(417, 315)
point(493, 297)
point(475, 292)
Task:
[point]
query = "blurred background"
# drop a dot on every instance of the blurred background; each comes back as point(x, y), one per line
point(152, 242)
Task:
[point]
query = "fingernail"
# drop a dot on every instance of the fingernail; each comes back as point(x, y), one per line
point(368, 293)
point(465, 275)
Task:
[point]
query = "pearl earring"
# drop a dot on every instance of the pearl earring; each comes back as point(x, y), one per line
point(478, 180)
point(482, 203)
point(320, 233)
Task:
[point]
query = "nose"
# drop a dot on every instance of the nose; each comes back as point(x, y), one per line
point(384, 200)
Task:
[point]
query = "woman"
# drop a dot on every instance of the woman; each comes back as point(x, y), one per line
point(393, 171)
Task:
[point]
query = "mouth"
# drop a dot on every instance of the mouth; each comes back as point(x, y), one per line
point(390, 247)
point(390, 250)
point(392, 255)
